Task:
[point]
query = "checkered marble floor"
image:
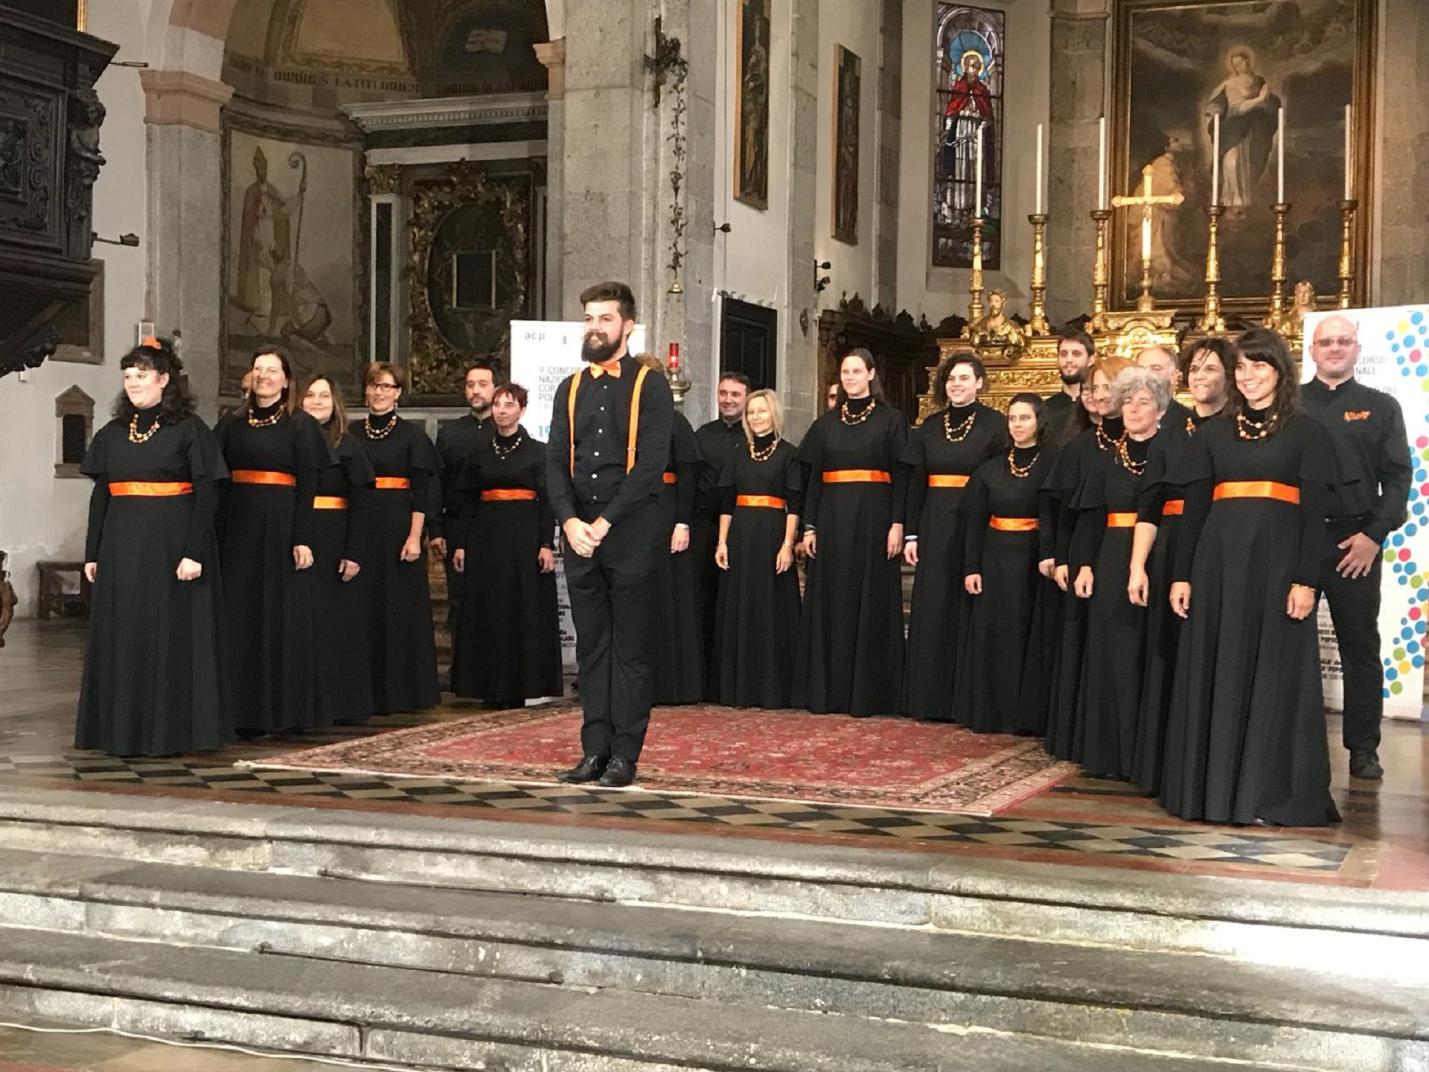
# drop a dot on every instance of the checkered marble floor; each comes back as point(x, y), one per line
point(1190, 844)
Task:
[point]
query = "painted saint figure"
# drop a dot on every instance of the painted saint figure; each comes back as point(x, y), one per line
point(265, 251)
point(1248, 112)
point(969, 109)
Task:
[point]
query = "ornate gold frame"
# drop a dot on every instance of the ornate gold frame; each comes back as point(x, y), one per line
point(1361, 95)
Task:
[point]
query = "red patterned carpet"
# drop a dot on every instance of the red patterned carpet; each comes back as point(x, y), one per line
point(724, 752)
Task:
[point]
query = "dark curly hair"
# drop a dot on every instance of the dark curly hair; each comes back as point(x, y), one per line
point(1039, 412)
point(158, 354)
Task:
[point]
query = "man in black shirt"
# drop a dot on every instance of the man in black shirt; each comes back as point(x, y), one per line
point(456, 441)
point(1075, 351)
point(605, 464)
point(1163, 361)
point(719, 439)
point(1367, 429)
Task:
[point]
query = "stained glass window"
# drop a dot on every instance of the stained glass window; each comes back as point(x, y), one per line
point(967, 102)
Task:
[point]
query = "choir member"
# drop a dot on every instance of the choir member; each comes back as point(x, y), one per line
point(942, 454)
point(397, 600)
point(1109, 703)
point(1366, 428)
point(679, 674)
point(1163, 361)
point(506, 647)
point(1204, 363)
point(1092, 437)
point(342, 682)
point(849, 656)
point(758, 615)
point(1246, 739)
point(1075, 351)
point(1002, 661)
point(719, 441)
point(274, 457)
point(155, 680)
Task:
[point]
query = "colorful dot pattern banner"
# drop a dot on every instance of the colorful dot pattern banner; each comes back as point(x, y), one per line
point(1394, 357)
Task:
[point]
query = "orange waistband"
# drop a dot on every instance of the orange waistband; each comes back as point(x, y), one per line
point(670, 478)
point(329, 502)
point(393, 483)
point(264, 476)
point(1121, 520)
point(1257, 489)
point(770, 502)
point(1173, 508)
point(1013, 524)
point(151, 488)
point(508, 495)
point(858, 476)
point(948, 480)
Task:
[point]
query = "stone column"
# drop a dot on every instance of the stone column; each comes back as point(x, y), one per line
point(185, 198)
point(553, 55)
point(890, 132)
point(798, 373)
point(1399, 231)
point(1079, 59)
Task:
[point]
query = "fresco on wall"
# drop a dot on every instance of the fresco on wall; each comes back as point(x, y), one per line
point(846, 134)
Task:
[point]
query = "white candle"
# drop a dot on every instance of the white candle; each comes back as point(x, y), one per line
point(1349, 154)
point(1039, 169)
point(1145, 238)
point(977, 189)
point(1101, 163)
point(1280, 158)
point(1215, 159)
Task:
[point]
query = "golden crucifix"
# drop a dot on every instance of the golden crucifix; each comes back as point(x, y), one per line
point(1147, 201)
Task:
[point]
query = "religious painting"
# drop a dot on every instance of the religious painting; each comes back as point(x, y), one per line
point(846, 106)
point(1202, 91)
point(967, 159)
point(292, 270)
point(751, 105)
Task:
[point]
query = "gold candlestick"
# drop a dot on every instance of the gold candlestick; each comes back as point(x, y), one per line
point(1278, 320)
point(1347, 252)
point(1145, 303)
point(1212, 323)
point(1100, 273)
point(1038, 323)
point(975, 279)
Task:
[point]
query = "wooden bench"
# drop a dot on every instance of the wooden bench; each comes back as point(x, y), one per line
point(53, 598)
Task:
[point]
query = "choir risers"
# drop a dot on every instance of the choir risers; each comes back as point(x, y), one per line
point(460, 942)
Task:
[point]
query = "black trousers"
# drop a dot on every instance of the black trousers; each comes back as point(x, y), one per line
point(613, 612)
point(1354, 608)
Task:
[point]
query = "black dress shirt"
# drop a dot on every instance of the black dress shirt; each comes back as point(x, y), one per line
point(1366, 428)
point(456, 442)
point(719, 442)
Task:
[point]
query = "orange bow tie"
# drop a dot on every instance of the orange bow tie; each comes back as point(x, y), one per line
point(601, 368)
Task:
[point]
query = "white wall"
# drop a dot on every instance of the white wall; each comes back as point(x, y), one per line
point(936, 292)
point(41, 516)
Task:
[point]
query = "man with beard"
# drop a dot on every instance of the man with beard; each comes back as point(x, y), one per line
point(611, 425)
point(456, 441)
point(1075, 351)
point(718, 439)
point(1163, 362)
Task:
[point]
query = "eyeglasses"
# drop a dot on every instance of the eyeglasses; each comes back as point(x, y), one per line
point(384, 386)
point(1337, 340)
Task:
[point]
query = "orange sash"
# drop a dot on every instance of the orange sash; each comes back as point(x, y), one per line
point(151, 488)
point(858, 476)
point(1121, 521)
point(393, 483)
point(948, 480)
point(770, 502)
point(264, 476)
point(1173, 508)
point(508, 495)
point(1013, 524)
point(329, 502)
point(1257, 489)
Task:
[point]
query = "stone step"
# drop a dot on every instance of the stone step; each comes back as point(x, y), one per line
point(1162, 1002)
point(423, 1019)
point(1372, 934)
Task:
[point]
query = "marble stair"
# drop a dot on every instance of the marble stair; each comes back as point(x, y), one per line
point(425, 942)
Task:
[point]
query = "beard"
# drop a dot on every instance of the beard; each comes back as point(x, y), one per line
point(1070, 381)
point(596, 349)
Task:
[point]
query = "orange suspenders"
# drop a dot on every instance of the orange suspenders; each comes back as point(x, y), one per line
point(640, 375)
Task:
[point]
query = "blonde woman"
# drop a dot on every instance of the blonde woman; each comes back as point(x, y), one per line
point(757, 614)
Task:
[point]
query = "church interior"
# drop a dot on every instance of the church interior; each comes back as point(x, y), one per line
point(779, 182)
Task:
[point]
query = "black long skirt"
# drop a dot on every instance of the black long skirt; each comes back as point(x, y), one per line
point(939, 608)
point(1065, 672)
point(343, 679)
point(155, 681)
point(1110, 702)
point(1000, 685)
point(1163, 634)
point(397, 606)
point(507, 645)
point(758, 614)
point(678, 671)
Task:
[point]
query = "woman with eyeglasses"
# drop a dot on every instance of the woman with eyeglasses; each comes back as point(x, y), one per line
point(1001, 682)
point(1246, 740)
point(1205, 366)
point(393, 581)
point(1095, 434)
point(274, 458)
point(341, 499)
point(506, 648)
point(757, 614)
point(155, 680)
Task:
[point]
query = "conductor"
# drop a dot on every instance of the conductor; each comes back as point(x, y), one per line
point(605, 463)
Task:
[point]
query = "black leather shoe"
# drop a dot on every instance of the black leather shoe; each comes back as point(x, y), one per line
point(620, 772)
point(1364, 763)
point(587, 770)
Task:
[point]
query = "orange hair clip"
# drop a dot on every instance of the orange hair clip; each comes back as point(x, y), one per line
point(151, 342)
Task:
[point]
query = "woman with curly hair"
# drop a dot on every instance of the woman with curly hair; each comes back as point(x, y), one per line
point(154, 676)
